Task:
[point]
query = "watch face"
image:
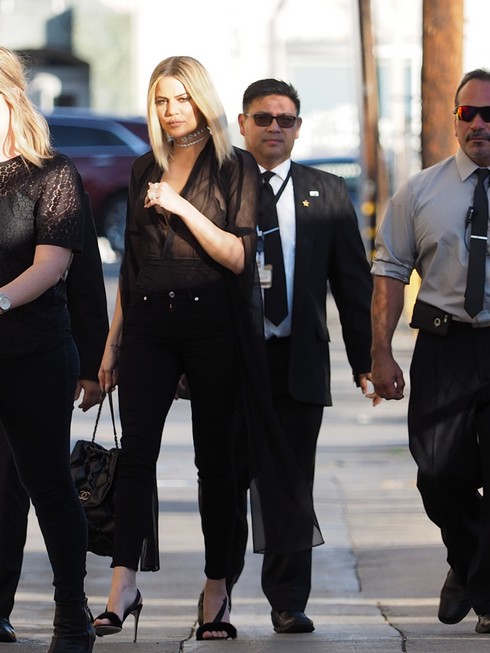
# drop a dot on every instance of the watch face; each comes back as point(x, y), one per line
point(4, 303)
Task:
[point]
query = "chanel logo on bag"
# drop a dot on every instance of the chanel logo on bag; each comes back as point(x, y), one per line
point(84, 495)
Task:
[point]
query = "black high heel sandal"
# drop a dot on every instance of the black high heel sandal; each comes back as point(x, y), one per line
point(116, 624)
point(217, 624)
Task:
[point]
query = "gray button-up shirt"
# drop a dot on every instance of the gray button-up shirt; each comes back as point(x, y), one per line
point(426, 228)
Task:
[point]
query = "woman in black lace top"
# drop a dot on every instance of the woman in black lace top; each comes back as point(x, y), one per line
point(40, 227)
point(190, 234)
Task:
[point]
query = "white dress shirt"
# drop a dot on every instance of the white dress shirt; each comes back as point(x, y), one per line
point(287, 227)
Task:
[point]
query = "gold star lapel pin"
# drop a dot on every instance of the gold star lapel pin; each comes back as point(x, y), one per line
point(311, 193)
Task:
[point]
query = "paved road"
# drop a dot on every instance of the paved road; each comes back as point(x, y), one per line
point(376, 578)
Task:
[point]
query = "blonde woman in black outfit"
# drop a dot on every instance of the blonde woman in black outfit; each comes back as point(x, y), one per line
point(190, 236)
point(86, 300)
point(41, 226)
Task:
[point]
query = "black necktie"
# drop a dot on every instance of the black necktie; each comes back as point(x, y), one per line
point(275, 297)
point(475, 283)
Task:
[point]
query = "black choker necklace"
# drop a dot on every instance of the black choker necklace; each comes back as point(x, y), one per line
point(192, 139)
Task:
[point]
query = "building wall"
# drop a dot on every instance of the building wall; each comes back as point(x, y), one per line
point(313, 43)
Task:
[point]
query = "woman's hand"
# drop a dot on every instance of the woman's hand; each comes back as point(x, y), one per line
point(363, 383)
point(162, 195)
point(108, 372)
point(91, 396)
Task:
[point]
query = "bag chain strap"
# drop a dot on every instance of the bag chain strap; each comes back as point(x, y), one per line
point(111, 406)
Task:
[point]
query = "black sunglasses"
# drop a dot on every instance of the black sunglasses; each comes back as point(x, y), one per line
point(284, 120)
point(467, 113)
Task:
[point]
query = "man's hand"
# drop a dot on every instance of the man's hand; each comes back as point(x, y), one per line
point(387, 376)
point(92, 394)
point(387, 306)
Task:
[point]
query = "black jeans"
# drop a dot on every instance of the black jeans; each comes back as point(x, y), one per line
point(36, 405)
point(14, 509)
point(164, 336)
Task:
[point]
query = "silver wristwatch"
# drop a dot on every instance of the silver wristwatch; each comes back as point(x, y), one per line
point(4, 303)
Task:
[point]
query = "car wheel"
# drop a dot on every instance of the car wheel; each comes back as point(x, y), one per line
point(114, 221)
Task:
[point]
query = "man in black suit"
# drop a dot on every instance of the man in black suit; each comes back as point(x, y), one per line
point(321, 245)
point(88, 311)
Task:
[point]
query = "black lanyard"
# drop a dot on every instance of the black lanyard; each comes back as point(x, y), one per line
point(277, 195)
point(283, 186)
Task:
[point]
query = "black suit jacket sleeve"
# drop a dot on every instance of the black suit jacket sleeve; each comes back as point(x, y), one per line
point(329, 250)
point(87, 302)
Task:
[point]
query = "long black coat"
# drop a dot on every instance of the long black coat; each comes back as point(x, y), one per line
point(86, 298)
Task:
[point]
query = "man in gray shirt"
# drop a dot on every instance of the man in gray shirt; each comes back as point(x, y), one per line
point(429, 227)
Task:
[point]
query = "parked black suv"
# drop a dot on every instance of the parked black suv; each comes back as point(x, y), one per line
point(103, 148)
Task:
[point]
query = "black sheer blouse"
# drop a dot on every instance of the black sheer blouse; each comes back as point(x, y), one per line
point(38, 206)
point(161, 253)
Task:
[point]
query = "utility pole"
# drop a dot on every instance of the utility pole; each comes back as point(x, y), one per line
point(442, 43)
point(375, 187)
point(442, 56)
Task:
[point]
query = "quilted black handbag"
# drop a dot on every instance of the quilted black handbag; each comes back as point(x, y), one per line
point(94, 470)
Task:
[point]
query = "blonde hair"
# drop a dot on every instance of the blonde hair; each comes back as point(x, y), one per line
point(30, 129)
point(200, 87)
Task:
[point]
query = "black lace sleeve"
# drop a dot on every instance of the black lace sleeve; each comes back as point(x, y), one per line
point(59, 206)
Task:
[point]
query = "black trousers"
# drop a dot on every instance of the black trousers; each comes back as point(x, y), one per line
point(286, 578)
point(166, 335)
point(14, 509)
point(36, 404)
point(449, 436)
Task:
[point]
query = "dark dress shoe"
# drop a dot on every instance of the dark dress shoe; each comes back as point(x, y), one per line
point(483, 625)
point(291, 622)
point(454, 604)
point(7, 632)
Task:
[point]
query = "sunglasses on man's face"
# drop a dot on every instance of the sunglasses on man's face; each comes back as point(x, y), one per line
point(284, 120)
point(467, 113)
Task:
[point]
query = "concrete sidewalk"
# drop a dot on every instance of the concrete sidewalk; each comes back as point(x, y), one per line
point(376, 579)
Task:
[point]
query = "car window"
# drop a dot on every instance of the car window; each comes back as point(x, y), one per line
point(349, 170)
point(74, 136)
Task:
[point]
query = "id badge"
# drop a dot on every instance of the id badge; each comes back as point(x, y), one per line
point(265, 276)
